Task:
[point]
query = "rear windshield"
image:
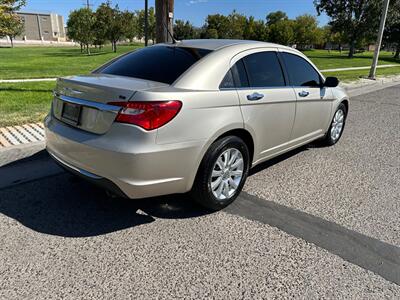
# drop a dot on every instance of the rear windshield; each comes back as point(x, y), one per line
point(160, 63)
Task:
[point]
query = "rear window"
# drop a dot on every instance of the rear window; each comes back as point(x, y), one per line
point(160, 63)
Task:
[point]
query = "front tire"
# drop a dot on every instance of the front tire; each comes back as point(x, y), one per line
point(222, 173)
point(336, 128)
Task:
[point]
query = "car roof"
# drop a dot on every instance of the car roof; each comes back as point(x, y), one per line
point(215, 44)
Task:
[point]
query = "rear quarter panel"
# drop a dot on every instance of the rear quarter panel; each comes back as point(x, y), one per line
point(204, 116)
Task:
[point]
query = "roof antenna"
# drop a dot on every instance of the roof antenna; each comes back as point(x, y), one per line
point(174, 41)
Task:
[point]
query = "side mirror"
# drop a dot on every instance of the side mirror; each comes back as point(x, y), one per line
point(331, 82)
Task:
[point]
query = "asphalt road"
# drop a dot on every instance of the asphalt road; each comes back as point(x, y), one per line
point(315, 223)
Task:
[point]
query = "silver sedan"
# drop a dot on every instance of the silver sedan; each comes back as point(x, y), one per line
point(193, 116)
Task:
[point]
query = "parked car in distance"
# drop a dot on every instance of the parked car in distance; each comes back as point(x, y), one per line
point(193, 116)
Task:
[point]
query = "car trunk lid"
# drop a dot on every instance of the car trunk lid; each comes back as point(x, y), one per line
point(81, 101)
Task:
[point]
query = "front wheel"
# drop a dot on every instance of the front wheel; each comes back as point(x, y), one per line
point(337, 126)
point(222, 173)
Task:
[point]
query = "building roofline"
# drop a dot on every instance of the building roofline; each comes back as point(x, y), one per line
point(36, 12)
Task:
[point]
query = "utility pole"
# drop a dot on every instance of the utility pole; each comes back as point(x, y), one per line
point(87, 4)
point(385, 9)
point(164, 17)
point(146, 22)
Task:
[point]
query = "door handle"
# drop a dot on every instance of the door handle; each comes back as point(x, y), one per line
point(304, 93)
point(255, 96)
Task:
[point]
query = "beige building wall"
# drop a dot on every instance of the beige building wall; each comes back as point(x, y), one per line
point(42, 26)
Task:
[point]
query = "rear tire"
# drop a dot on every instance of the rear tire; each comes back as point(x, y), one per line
point(222, 173)
point(336, 128)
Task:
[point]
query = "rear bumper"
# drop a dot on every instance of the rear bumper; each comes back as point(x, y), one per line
point(126, 159)
point(94, 179)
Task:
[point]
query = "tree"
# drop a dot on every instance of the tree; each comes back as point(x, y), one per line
point(356, 20)
point(236, 25)
point(184, 30)
point(210, 34)
point(152, 24)
point(281, 32)
point(81, 27)
point(255, 30)
point(275, 17)
point(392, 32)
point(15, 28)
point(305, 30)
point(10, 24)
point(101, 26)
point(130, 25)
point(114, 22)
point(331, 38)
point(216, 26)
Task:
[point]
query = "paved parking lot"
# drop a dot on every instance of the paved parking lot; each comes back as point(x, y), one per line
point(315, 223)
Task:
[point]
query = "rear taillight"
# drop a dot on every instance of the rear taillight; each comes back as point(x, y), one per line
point(148, 115)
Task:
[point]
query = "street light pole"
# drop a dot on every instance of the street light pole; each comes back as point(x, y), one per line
point(146, 22)
point(385, 9)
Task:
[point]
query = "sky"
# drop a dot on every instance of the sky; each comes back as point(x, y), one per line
point(193, 10)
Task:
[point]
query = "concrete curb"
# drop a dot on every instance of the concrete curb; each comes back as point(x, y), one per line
point(358, 68)
point(370, 86)
point(27, 80)
point(14, 153)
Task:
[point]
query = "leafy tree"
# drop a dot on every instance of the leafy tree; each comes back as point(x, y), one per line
point(357, 20)
point(281, 32)
point(101, 26)
point(81, 27)
point(130, 25)
point(184, 30)
point(10, 24)
point(275, 17)
point(392, 32)
point(210, 34)
point(113, 17)
point(151, 24)
point(330, 37)
point(236, 25)
point(216, 26)
point(255, 30)
point(305, 29)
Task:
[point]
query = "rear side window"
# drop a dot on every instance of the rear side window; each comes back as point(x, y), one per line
point(160, 63)
point(264, 70)
point(236, 77)
point(301, 72)
point(228, 82)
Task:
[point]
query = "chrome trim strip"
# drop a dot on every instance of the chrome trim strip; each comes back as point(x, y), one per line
point(91, 104)
point(83, 172)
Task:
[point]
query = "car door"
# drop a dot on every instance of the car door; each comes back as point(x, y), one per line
point(314, 102)
point(267, 102)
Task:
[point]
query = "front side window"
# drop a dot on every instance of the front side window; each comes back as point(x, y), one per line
point(301, 72)
point(264, 70)
point(158, 63)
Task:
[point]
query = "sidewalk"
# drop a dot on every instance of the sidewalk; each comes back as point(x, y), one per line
point(358, 68)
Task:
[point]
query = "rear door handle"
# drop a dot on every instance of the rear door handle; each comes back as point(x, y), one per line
point(255, 96)
point(304, 93)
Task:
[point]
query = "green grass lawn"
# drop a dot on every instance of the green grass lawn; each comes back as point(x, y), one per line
point(347, 76)
point(29, 102)
point(333, 60)
point(22, 103)
point(42, 62)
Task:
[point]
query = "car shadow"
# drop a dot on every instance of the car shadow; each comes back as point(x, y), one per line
point(64, 205)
